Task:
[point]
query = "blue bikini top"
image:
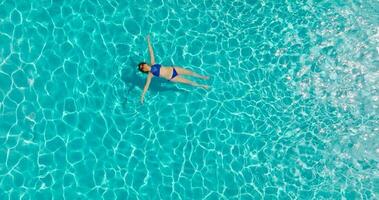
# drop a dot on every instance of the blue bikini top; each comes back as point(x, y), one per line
point(155, 69)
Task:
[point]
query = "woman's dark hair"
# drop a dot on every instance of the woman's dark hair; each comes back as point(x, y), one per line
point(140, 67)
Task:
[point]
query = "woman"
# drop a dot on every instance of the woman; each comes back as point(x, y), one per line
point(170, 73)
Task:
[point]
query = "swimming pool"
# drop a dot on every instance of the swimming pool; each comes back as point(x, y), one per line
point(292, 112)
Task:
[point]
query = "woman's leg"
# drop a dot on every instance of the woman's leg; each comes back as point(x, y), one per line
point(183, 71)
point(179, 79)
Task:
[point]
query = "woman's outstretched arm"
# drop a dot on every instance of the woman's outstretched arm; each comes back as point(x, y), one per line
point(147, 84)
point(151, 52)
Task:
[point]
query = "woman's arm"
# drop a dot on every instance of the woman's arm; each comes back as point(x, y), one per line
point(151, 52)
point(147, 84)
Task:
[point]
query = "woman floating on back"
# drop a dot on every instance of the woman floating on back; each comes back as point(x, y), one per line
point(173, 73)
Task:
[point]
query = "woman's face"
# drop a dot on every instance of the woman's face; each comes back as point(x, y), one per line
point(145, 67)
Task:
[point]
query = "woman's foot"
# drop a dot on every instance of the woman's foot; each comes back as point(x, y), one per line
point(204, 77)
point(205, 87)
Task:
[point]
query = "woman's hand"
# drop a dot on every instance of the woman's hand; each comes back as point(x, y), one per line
point(148, 38)
point(142, 98)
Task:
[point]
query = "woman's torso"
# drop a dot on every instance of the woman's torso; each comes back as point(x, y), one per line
point(164, 72)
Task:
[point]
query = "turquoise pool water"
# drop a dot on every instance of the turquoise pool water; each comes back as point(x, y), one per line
point(292, 112)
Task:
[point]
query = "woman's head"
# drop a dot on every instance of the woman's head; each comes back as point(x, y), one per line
point(143, 67)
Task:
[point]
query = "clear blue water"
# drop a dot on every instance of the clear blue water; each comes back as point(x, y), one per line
point(292, 112)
